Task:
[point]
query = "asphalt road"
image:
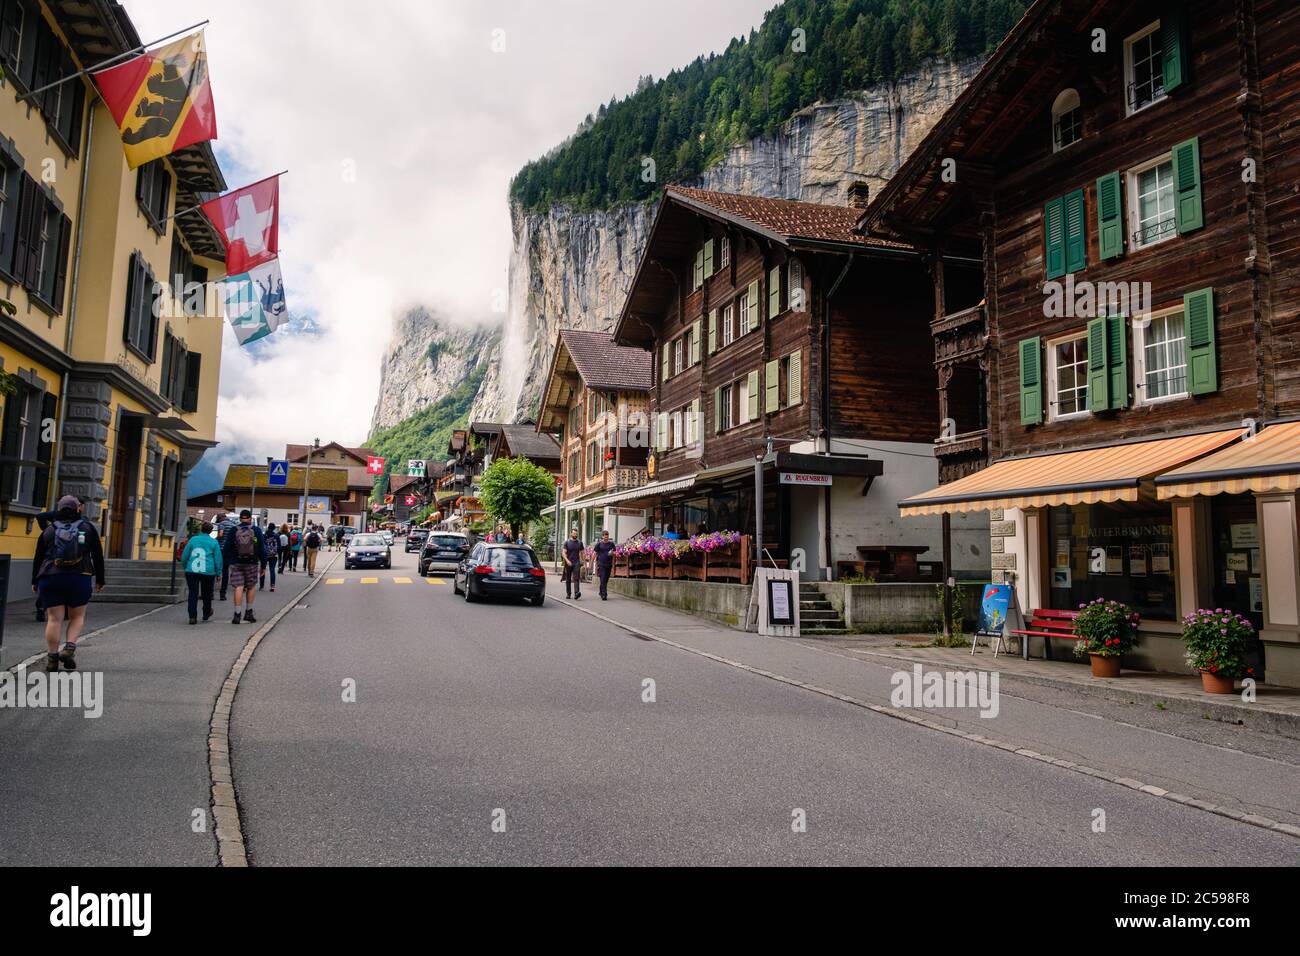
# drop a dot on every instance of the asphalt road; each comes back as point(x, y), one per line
point(508, 734)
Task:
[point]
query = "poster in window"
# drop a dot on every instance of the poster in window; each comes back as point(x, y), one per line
point(1115, 559)
point(1229, 577)
point(1238, 561)
point(1160, 561)
point(1137, 561)
point(1061, 578)
point(1245, 535)
point(1257, 595)
point(1062, 552)
point(1256, 565)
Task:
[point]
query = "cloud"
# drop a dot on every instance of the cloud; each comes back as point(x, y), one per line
point(400, 128)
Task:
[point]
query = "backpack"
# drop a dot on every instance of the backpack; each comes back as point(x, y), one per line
point(271, 544)
point(293, 539)
point(313, 540)
point(199, 561)
point(245, 542)
point(67, 549)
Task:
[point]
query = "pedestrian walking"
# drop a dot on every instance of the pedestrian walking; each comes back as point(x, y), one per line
point(572, 575)
point(241, 558)
point(295, 547)
point(68, 554)
point(270, 557)
point(312, 544)
point(226, 525)
point(284, 546)
point(43, 521)
point(203, 565)
point(604, 563)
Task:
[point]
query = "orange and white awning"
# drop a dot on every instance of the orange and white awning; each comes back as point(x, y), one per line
point(1090, 476)
point(1269, 460)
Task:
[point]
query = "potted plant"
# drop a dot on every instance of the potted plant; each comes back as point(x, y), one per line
point(1216, 646)
point(1106, 630)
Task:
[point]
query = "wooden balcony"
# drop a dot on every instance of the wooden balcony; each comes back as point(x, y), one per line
point(962, 455)
point(959, 335)
point(625, 477)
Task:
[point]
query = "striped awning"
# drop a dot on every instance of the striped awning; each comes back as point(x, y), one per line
point(1269, 460)
point(1090, 476)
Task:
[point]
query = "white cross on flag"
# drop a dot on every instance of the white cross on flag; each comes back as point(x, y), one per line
point(374, 465)
point(248, 221)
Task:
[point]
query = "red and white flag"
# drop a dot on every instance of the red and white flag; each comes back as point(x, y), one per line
point(374, 465)
point(248, 221)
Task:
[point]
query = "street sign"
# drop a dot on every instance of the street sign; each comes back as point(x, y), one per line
point(800, 478)
point(415, 468)
point(278, 473)
point(374, 465)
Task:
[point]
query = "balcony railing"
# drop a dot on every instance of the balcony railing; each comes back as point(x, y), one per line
point(962, 455)
point(625, 477)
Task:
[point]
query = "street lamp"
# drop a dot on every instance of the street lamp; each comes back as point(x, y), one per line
point(763, 455)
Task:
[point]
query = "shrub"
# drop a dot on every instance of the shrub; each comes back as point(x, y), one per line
point(1107, 628)
point(1216, 642)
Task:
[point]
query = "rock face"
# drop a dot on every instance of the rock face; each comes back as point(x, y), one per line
point(426, 359)
point(571, 269)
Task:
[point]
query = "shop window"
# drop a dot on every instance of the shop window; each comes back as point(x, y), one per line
point(1122, 551)
point(1238, 567)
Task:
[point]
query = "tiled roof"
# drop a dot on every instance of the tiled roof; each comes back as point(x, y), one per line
point(323, 480)
point(604, 364)
point(524, 440)
point(397, 482)
point(299, 452)
point(785, 218)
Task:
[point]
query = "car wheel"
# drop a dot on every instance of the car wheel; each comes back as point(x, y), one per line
point(455, 584)
point(469, 593)
point(539, 600)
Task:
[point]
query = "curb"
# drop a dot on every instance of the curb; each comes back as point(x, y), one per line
point(229, 832)
point(35, 658)
point(1282, 724)
point(1254, 820)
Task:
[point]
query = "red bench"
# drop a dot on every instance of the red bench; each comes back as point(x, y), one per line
point(1046, 623)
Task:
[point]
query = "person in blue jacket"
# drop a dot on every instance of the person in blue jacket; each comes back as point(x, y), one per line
point(202, 563)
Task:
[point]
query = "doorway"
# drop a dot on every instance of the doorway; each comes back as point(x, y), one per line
point(126, 476)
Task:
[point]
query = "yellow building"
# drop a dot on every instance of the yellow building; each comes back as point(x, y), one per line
point(110, 368)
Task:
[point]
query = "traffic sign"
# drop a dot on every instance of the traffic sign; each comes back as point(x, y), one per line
point(278, 473)
point(415, 467)
point(374, 465)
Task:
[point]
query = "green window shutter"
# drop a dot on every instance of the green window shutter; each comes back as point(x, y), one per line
point(695, 422)
point(699, 269)
point(1031, 381)
point(774, 292)
point(1054, 237)
point(751, 394)
point(1187, 185)
point(1110, 217)
point(1076, 234)
point(708, 258)
point(753, 307)
point(717, 411)
point(1173, 45)
point(1202, 364)
point(1098, 367)
point(772, 386)
point(794, 379)
point(695, 342)
point(713, 331)
point(1117, 359)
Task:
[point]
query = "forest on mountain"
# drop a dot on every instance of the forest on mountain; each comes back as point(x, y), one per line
point(805, 51)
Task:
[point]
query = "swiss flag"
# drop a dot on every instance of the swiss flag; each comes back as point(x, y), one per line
point(410, 500)
point(248, 221)
point(374, 465)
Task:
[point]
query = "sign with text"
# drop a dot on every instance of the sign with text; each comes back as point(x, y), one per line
point(278, 473)
point(415, 468)
point(801, 478)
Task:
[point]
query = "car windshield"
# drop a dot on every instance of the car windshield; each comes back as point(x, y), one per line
point(449, 542)
point(363, 540)
point(511, 559)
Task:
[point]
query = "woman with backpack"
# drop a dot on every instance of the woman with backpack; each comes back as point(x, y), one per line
point(295, 546)
point(202, 563)
point(272, 540)
point(68, 553)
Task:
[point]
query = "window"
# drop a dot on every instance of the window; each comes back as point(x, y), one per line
point(595, 454)
point(1152, 213)
point(1144, 69)
point(747, 305)
point(675, 430)
point(184, 272)
point(783, 382)
point(140, 324)
point(596, 406)
point(797, 301)
point(698, 279)
point(678, 362)
point(1067, 120)
point(24, 457)
point(33, 56)
point(11, 179)
point(575, 421)
point(1159, 347)
point(691, 425)
point(153, 187)
point(1069, 376)
point(42, 235)
point(726, 413)
point(179, 381)
point(728, 324)
point(1120, 552)
point(574, 474)
point(724, 256)
point(168, 519)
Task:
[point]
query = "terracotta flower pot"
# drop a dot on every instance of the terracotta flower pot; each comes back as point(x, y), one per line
point(1104, 665)
point(1217, 684)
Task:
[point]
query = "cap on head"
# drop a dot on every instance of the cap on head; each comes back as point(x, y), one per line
point(245, 514)
point(69, 503)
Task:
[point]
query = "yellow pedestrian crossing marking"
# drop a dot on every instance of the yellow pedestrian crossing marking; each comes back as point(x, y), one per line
point(434, 581)
point(370, 580)
point(401, 580)
point(395, 580)
point(335, 580)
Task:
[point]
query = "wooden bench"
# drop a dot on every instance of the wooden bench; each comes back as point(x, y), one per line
point(1046, 623)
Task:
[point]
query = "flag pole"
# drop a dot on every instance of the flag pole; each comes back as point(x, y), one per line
point(182, 212)
point(109, 62)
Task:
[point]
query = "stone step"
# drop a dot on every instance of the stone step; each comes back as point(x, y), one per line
point(816, 605)
point(825, 615)
point(822, 631)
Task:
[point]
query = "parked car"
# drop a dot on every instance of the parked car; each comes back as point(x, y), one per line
point(367, 550)
point(443, 551)
point(415, 539)
point(388, 537)
point(501, 570)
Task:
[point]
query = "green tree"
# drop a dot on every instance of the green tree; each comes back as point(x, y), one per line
point(514, 491)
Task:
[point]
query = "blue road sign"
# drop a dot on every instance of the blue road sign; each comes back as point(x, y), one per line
point(278, 473)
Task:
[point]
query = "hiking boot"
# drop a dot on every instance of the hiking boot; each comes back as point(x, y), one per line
point(237, 619)
point(68, 657)
point(248, 616)
point(223, 595)
point(51, 663)
point(194, 620)
point(207, 615)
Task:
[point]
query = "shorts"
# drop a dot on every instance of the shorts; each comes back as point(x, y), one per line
point(62, 589)
point(244, 575)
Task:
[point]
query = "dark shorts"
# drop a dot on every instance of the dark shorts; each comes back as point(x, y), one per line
point(244, 575)
point(65, 590)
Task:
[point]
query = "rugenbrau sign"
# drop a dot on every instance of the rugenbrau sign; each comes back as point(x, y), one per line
point(801, 478)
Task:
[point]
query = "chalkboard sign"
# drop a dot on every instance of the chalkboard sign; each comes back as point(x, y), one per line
point(780, 602)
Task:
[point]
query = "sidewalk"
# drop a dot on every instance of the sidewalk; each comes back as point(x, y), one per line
point(1147, 737)
point(126, 788)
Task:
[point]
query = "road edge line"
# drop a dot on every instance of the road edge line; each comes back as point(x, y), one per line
point(229, 830)
point(1263, 823)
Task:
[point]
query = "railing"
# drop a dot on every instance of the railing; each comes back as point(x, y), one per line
point(733, 564)
point(625, 477)
point(962, 455)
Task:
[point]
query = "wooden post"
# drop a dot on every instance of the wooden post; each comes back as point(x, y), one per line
point(947, 575)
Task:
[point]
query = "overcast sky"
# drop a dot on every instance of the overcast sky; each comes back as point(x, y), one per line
point(401, 128)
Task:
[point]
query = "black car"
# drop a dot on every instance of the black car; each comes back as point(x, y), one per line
point(501, 570)
point(443, 551)
point(415, 539)
point(367, 550)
